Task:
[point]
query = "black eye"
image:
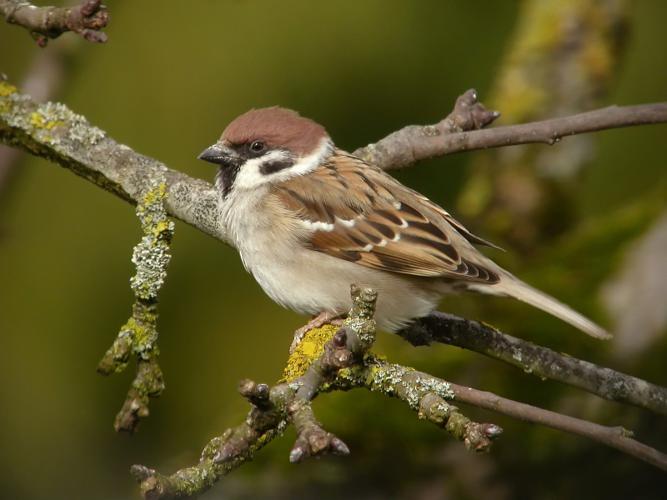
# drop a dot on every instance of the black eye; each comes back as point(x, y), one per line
point(257, 146)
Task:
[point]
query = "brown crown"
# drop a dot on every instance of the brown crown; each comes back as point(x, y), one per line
point(277, 127)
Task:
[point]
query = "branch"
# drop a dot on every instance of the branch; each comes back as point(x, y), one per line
point(392, 378)
point(86, 19)
point(340, 361)
point(139, 335)
point(615, 437)
point(54, 132)
point(414, 143)
point(537, 360)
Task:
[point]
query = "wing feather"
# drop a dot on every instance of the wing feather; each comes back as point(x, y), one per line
point(373, 220)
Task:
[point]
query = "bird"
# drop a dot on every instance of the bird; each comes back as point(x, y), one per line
point(309, 219)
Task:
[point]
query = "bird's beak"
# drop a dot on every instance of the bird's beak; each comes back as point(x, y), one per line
point(220, 155)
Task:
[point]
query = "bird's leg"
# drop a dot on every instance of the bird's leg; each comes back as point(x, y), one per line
point(317, 322)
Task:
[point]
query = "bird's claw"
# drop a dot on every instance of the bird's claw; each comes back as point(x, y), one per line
point(317, 322)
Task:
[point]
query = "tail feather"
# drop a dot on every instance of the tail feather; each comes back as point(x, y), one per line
point(511, 286)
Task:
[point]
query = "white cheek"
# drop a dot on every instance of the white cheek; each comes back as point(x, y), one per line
point(250, 176)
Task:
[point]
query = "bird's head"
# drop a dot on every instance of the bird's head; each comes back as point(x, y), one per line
point(267, 145)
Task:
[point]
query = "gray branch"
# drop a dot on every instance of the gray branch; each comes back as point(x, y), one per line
point(54, 132)
point(537, 360)
point(414, 143)
point(43, 23)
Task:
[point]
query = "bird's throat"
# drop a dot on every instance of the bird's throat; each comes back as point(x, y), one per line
point(224, 179)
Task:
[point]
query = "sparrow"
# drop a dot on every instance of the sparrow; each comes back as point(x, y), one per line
point(310, 219)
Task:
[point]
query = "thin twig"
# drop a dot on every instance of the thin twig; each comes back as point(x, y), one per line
point(414, 143)
point(43, 23)
point(537, 360)
point(615, 437)
point(396, 379)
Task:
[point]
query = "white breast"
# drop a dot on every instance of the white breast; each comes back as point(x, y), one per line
point(310, 282)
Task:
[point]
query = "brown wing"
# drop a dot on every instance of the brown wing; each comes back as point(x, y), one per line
point(360, 214)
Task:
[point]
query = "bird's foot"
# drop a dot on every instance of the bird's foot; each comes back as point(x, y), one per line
point(317, 322)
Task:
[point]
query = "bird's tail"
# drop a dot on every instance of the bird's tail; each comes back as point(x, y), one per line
point(510, 286)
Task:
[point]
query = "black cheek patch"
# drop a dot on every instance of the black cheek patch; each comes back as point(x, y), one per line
point(274, 166)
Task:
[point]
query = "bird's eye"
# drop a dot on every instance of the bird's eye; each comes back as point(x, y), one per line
point(257, 146)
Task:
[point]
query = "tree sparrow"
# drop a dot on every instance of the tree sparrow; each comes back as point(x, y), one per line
point(310, 219)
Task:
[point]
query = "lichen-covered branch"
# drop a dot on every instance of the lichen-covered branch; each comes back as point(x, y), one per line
point(54, 132)
point(537, 360)
point(411, 385)
point(139, 335)
point(328, 358)
point(429, 396)
point(43, 23)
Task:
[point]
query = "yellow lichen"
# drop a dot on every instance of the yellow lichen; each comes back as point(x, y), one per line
point(161, 227)
point(38, 120)
point(156, 194)
point(310, 348)
point(7, 89)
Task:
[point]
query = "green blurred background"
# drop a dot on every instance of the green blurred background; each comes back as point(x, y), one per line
point(172, 75)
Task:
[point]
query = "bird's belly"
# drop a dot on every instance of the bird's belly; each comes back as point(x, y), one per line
point(310, 282)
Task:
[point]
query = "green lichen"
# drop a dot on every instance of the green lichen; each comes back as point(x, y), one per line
point(386, 378)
